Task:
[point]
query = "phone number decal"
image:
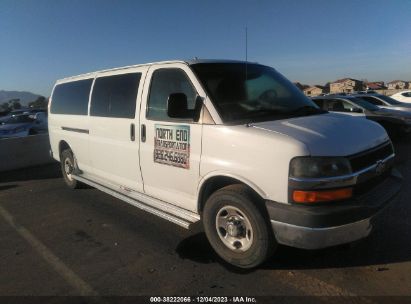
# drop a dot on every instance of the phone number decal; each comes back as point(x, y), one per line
point(172, 145)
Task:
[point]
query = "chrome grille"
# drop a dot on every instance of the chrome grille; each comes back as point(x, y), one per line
point(370, 157)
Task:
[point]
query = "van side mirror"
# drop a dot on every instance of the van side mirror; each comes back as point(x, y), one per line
point(356, 110)
point(177, 107)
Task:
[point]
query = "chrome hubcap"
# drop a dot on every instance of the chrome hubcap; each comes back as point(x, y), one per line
point(234, 228)
point(68, 168)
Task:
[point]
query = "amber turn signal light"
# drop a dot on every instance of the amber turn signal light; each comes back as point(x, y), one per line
point(300, 196)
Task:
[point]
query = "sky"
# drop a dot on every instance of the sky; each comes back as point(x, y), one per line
point(310, 41)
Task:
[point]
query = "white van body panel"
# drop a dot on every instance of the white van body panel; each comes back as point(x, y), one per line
point(250, 154)
point(329, 134)
point(176, 185)
point(113, 156)
point(78, 141)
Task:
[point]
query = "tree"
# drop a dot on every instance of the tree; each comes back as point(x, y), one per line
point(40, 102)
point(16, 104)
point(5, 107)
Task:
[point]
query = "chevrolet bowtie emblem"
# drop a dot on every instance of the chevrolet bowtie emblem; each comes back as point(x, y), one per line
point(380, 167)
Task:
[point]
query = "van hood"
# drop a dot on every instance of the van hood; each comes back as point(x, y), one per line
point(329, 134)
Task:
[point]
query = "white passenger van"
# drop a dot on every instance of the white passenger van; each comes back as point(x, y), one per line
point(230, 143)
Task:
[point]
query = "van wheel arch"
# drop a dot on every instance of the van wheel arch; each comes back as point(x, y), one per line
point(236, 225)
point(216, 183)
point(69, 166)
point(63, 145)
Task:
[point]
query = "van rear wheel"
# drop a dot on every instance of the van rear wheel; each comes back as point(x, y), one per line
point(236, 228)
point(67, 169)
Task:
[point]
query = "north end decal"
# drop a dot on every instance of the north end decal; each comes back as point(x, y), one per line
point(172, 145)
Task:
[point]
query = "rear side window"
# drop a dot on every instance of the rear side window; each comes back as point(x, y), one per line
point(373, 100)
point(163, 83)
point(71, 97)
point(115, 96)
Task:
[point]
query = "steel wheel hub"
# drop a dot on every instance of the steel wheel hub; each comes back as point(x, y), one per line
point(234, 228)
point(68, 168)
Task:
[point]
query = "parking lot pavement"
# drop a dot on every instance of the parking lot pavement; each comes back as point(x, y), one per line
point(57, 241)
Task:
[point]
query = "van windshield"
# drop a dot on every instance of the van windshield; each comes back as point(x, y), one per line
point(244, 93)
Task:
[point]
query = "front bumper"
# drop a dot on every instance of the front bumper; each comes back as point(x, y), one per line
point(317, 238)
point(334, 223)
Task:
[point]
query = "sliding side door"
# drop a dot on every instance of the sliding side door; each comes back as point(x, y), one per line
point(114, 132)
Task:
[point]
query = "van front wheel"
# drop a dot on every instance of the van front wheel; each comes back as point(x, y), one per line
point(67, 169)
point(236, 228)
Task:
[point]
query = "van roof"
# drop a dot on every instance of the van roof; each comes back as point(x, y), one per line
point(188, 62)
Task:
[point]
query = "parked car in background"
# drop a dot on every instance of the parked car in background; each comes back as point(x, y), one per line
point(383, 101)
point(404, 96)
point(366, 92)
point(18, 112)
point(395, 122)
point(4, 112)
point(22, 111)
point(24, 125)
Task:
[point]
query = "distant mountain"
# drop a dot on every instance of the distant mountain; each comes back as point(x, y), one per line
point(25, 97)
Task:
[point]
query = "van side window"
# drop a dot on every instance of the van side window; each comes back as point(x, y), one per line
point(115, 96)
point(71, 97)
point(163, 83)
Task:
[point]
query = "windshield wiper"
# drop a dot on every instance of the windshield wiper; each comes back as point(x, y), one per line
point(264, 113)
point(307, 110)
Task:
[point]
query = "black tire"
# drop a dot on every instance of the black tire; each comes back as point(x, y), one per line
point(257, 248)
point(67, 159)
point(392, 130)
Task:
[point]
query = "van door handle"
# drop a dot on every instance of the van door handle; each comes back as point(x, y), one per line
point(143, 133)
point(132, 132)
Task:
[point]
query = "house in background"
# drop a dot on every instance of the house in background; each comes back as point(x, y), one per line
point(346, 85)
point(314, 90)
point(375, 85)
point(399, 85)
point(300, 85)
point(351, 85)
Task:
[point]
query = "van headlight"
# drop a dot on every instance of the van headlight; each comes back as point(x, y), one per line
point(317, 167)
